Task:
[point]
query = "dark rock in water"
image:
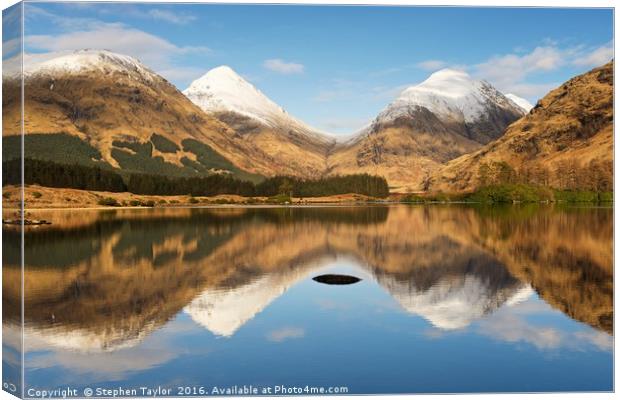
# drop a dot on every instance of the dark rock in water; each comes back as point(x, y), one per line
point(333, 279)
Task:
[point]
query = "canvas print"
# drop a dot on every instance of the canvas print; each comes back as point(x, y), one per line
point(227, 199)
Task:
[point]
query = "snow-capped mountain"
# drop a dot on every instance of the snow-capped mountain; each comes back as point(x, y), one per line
point(118, 99)
point(222, 90)
point(84, 61)
point(453, 96)
point(108, 103)
point(444, 117)
point(280, 143)
point(520, 101)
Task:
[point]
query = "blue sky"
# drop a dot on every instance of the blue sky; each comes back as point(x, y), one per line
point(335, 67)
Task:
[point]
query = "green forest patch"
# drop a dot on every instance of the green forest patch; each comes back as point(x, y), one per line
point(198, 167)
point(163, 144)
point(141, 159)
point(211, 159)
point(141, 162)
point(61, 148)
point(142, 149)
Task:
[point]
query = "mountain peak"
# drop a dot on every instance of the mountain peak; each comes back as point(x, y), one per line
point(447, 83)
point(222, 89)
point(83, 60)
point(449, 73)
point(223, 70)
point(219, 74)
point(449, 93)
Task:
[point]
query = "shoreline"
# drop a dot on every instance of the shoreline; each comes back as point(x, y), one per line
point(43, 198)
point(231, 205)
point(40, 198)
point(308, 205)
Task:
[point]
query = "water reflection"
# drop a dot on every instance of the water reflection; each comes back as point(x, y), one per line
point(104, 281)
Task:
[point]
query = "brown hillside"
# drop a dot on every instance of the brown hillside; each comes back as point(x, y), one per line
point(111, 104)
point(569, 130)
point(404, 156)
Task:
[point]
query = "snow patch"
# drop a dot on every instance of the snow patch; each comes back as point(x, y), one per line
point(81, 61)
point(448, 93)
point(520, 101)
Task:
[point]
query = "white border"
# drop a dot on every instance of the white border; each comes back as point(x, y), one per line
point(474, 3)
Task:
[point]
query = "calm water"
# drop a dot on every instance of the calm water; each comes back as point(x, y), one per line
point(451, 299)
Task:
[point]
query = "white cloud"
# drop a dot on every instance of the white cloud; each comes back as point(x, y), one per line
point(512, 329)
point(283, 334)
point(155, 52)
point(518, 72)
point(511, 324)
point(337, 89)
point(33, 13)
point(431, 65)
point(508, 69)
point(596, 57)
point(154, 350)
point(108, 9)
point(283, 67)
point(512, 73)
point(330, 95)
point(10, 47)
point(601, 340)
point(103, 366)
point(168, 16)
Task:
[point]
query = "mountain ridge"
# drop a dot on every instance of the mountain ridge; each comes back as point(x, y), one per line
point(138, 121)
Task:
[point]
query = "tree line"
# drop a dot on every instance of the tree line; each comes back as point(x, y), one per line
point(76, 176)
point(596, 176)
point(370, 185)
point(51, 174)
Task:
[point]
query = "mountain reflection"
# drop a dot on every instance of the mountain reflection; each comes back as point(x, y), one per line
point(98, 281)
